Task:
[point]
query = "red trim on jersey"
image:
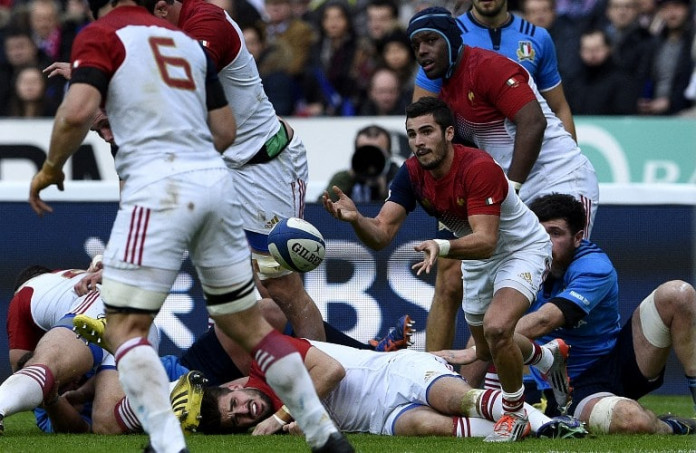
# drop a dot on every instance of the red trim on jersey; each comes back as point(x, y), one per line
point(86, 303)
point(22, 331)
point(211, 26)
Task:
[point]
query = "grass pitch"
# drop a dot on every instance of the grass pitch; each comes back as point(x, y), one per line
point(21, 435)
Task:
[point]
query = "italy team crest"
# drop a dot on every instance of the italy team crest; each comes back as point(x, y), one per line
point(525, 51)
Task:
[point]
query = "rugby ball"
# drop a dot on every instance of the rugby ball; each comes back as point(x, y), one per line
point(296, 244)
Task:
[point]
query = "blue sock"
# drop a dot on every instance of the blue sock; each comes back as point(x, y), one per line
point(691, 383)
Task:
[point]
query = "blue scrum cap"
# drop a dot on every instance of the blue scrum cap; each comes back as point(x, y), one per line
point(438, 20)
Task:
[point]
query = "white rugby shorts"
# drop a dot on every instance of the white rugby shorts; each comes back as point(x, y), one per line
point(155, 225)
point(273, 190)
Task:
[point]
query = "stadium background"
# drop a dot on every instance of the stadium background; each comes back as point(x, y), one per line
point(646, 224)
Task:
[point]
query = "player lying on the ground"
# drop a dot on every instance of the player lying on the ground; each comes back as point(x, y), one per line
point(39, 322)
point(401, 393)
point(610, 366)
point(437, 410)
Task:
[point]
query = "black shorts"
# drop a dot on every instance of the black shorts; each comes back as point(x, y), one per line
point(207, 355)
point(616, 372)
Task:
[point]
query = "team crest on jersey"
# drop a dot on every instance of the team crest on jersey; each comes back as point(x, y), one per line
point(525, 51)
point(471, 97)
point(461, 201)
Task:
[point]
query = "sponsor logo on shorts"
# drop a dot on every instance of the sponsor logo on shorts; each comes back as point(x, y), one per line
point(526, 276)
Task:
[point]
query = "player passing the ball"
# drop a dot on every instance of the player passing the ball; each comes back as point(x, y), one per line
point(141, 67)
point(503, 247)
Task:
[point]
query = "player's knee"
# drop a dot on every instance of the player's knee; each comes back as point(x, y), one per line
point(496, 332)
point(615, 414)
point(105, 424)
point(677, 297)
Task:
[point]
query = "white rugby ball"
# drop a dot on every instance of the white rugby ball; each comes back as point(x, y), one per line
point(296, 244)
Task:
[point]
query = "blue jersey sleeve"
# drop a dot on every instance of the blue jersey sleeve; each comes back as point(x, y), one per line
point(173, 367)
point(401, 191)
point(422, 81)
point(588, 282)
point(547, 75)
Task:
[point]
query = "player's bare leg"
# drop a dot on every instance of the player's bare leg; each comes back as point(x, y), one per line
point(289, 293)
point(442, 316)
point(59, 358)
point(499, 322)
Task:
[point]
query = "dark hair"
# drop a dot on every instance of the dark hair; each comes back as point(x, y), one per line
point(392, 5)
point(373, 131)
point(150, 4)
point(29, 273)
point(605, 36)
point(560, 206)
point(430, 105)
point(210, 412)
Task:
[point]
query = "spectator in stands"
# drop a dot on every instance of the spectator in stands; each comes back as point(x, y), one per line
point(565, 34)
point(396, 54)
point(372, 168)
point(332, 70)
point(631, 43)
point(670, 64)
point(297, 34)
point(385, 96)
point(28, 99)
point(273, 63)
point(21, 51)
point(648, 17)
point(601, 87)
point(49, 34)
point(382, 19)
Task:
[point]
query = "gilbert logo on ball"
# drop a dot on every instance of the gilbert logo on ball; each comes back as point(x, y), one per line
point(296, 244)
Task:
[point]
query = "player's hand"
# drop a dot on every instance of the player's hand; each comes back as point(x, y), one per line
point(457, 356)
point(102, 126)
point(49, 174)
point(430, 251)
point(266, 427)
point(60, 68)
point(343, 208)
point(292, 428)
point(88, 283)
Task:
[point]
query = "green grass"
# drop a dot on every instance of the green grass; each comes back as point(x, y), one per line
point(21, 435)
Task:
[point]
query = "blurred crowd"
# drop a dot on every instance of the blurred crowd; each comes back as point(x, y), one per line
point(352, 57)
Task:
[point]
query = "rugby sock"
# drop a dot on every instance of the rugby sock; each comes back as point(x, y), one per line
point(513, 403)
point(26, 389)
point(471, 427)
point(491, 381)
point(541, 358)
point(488, 404)
point(144, 380)
point(691, 382)
point(288, 377)
point(125, 416)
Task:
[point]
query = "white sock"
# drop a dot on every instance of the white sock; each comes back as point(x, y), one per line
point(25, 389)
point(288, 377)
point(471, 427)
point(535, 416)
point(513, 403)
point(145, 382)
point(546, 360)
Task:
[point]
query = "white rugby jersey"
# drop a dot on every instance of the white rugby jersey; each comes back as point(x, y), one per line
point(156, 99)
